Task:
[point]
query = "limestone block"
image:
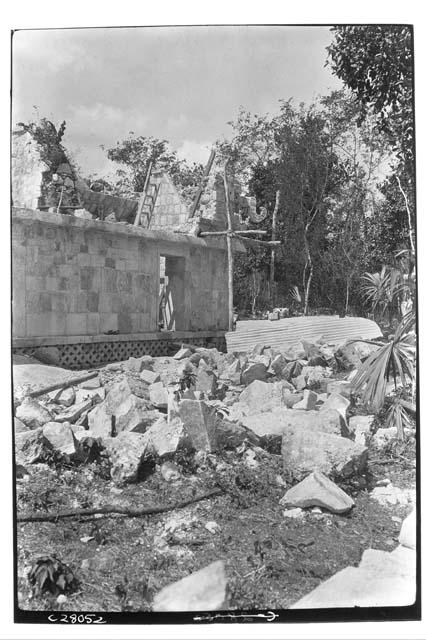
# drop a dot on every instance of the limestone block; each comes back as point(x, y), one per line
point(76, 324)
point(318, 490)
point(204, 590)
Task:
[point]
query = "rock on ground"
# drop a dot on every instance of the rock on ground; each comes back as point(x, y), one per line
point(126, 452)
point(407, 536)
point(33, 414)
point(200, 422)
point(382, 579)
point(254, 371)
point(308, 401)
point(30, 446)
point(360, 427)
point(338, 403)
point(182, 353)
point(149, 376)
point(165, 438)
point(133, 415)
point(60, 437)
point(318, 491)
point(100, 421)
point(73, 413)
point(204, 590)
point(305, 450)
point(158, 395)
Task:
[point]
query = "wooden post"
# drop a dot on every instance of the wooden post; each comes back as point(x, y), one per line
point(274, 226)
point(202, 185)
point(230, 255)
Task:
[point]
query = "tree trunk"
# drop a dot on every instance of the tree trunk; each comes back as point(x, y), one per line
point(230, 257)
point(410, 228)
point(308, 265)
point(347, 296)
point(272, 268)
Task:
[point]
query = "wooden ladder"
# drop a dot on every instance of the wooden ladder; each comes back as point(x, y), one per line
point(147, 200)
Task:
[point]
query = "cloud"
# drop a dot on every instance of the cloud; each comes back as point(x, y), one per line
point(192, 151)
point(54, 50)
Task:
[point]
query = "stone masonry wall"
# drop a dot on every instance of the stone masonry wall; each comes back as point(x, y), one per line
point(170, 211)
point(76, 277)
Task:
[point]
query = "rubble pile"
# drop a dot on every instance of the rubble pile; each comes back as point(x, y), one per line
point(297, 406)
point(202, 400)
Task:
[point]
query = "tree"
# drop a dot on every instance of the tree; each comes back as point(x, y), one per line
point(376, 63)
point(135, 153)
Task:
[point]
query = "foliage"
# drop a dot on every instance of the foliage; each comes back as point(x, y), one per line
point(397, 416)
point(393, 358)
point(49, 574)
point(134, 155)
point(49, 138)
point(376, 63)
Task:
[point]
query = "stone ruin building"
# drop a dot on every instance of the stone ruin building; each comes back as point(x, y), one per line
point(89, 287)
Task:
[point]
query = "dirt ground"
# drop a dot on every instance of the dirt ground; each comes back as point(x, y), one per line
point(271, 560)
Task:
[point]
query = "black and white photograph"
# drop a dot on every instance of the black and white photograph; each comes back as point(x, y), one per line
point(214, 324)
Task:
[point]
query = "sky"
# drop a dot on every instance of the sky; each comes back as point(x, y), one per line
point(182, 84)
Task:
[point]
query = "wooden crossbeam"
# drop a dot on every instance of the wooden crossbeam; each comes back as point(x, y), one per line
point(202, 185)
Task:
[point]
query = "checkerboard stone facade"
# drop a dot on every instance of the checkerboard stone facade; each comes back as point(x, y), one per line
point(74, 277)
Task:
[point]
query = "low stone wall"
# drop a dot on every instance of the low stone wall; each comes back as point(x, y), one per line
point(75, 277)
point(83, 355)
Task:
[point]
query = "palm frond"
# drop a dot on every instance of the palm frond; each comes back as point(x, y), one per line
point(398, 417)
point(295, 294)
point(395, 358)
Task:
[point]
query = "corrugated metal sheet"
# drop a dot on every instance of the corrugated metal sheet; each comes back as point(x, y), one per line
point(281, 334)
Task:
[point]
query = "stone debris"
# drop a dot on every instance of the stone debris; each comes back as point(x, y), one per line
point(149, 377)
point(254, 371)
point(165, 438)
point(382, 579)
point(338, 403)
point(299, 382)
point(383, 436)
point(74, 412)
point(206, 381)
point(33, 414)
point(305, 450)
point(127, 453)
point(408, 534)
point(390, 494)
point(30, 446)
point(278, 364)
point(212, 526)
point(118, 393)
point(295, 352)
point(341, 387)
point(60, 437)
point(133, 414)
point(96, 395)
point(277, 421)
point(360, 428)
point(204, 590)
point(232, 372)
point(100, 421)
point(297, 512)
point(318, 490)
point(158, 395)
point(169, 471)
point(138, 364)
point(182, 354)
point(65, 397)
point(20, 426)
point(93, 383)
point(200, 422)
point(308, 402)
